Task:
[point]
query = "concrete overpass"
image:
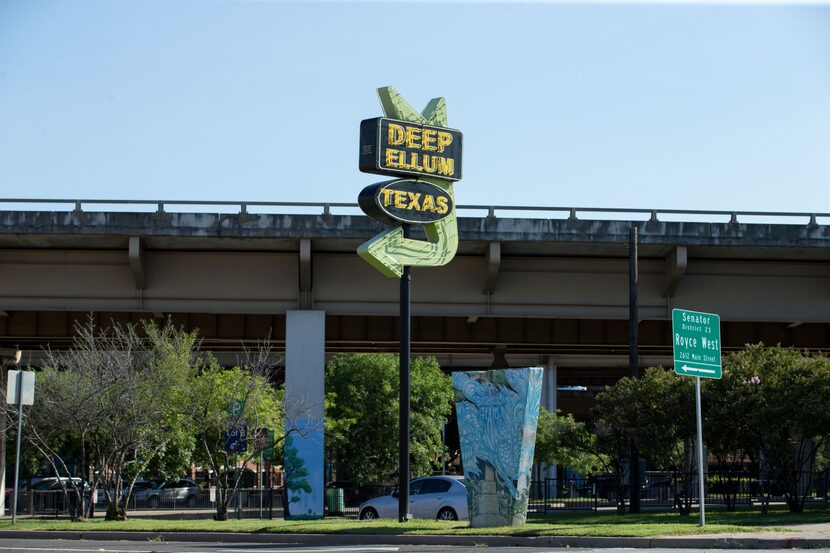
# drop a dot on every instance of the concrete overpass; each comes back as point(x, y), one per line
point(538, 285)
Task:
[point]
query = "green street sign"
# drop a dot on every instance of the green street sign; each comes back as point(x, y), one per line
point(696, 343)
point(235, 408)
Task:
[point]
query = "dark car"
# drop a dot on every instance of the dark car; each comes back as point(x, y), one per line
point(49, 493)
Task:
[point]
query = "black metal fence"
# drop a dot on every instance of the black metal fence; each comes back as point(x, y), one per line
point(660, 490)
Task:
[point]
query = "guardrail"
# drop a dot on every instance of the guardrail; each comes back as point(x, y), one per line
point(325, 208)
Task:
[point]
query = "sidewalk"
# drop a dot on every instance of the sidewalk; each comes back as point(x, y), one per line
point(807, 536)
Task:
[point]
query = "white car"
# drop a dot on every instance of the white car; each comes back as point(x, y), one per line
point(431, 497)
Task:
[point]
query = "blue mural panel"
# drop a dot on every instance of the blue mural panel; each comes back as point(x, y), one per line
point(497, 415)
point(304, 469)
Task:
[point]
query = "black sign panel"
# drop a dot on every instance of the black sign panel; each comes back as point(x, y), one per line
point(392, 147)
point(405, 201)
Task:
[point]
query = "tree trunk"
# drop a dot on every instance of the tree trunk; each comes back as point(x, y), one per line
point(115, 512)
point(221, 503)
point(221, 512)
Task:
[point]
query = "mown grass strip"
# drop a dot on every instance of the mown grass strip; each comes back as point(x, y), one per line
point(593, 524)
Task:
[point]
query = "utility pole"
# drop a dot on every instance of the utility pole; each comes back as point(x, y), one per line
point(633, 364)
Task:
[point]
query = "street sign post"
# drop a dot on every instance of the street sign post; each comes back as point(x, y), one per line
point(20, 391)
point(696, 345)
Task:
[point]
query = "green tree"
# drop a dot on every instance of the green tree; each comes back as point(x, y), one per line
point(223, 399)
point(563, 440)
point(728, 417)
point(362, 415)
point(784, 412)
point(657, 412)
point(115, 395)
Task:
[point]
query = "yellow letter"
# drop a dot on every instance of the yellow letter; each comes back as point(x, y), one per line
point(400, 196)
point(413, 137)
point(428, 204)
point(444, 140)
point(442, 205)
point(428, 138)
point(430, 163)
point(387, 196)
point(392, 159)
point(396, 135)
point(446, 166)
point(413, 200)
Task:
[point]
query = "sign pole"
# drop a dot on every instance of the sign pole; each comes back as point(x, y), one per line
point(701, 488)
point(420, 195)
point(403, 460)
point(19, 386)
point(697, 352)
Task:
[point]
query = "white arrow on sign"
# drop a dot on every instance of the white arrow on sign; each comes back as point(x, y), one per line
point(696, 370)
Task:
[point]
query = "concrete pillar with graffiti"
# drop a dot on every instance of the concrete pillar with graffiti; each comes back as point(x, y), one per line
point(497, 415)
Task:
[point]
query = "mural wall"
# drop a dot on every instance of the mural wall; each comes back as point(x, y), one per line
point(497, 415)
point(304, 470)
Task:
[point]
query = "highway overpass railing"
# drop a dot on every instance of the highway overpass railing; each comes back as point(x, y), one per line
point(349, 208)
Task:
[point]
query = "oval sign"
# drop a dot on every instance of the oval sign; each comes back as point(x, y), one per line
point(406, 201)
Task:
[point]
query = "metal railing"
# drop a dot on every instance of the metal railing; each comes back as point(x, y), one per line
point(660, 491)
point(325, 208)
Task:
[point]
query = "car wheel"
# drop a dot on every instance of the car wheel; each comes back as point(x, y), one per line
point(368, 514)
point(447, 513)
point(190, 501)
point(154, 502)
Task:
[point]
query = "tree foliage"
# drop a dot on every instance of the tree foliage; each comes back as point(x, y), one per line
point(362, 415)
point(563, 440)
point(116, 395)
point(779, 410)
point(222, 399)
point(769, 410)
point(656, 411)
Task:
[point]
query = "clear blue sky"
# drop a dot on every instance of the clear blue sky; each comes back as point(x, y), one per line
point(609, 105)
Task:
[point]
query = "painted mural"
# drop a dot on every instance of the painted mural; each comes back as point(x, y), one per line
point(303, 475)
point(497, 415)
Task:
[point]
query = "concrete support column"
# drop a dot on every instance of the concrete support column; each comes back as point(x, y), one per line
point(549, 402)
point(305, 357)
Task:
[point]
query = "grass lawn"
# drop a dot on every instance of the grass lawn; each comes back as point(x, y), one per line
point(593, 524)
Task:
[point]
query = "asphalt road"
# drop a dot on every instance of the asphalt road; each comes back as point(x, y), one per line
point(96, 546)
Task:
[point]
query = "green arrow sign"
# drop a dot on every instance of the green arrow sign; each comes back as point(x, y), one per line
point(389, 251)
point(696, 343)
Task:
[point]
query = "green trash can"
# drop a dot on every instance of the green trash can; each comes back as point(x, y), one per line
point(335, 502)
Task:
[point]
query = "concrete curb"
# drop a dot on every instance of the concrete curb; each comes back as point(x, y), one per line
point(749, 542)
